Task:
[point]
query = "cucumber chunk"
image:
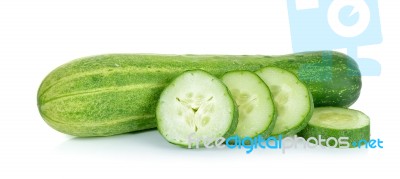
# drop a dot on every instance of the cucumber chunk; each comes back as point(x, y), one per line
point(196, 105)
point(338, 122)
point(293, 100)
point(254, 101)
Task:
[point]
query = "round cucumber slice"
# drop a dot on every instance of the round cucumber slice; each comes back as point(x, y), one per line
point(196, 106)
point(338, 122)
point(293, 100)
point(254, 101)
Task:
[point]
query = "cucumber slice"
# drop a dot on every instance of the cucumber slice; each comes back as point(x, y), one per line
point(198, 106)
point(338, 122)
point(292, 99)
point(254, 101)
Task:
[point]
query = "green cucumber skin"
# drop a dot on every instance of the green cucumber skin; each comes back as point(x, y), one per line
point(354, 135)
point(235, 120)
point(118, 93)
point(271, 126)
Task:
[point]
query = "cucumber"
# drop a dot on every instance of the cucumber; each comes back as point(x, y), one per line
point(338, 122)
point(293, 101)
point(254, 101)
point(118, 93)
point(196, 105)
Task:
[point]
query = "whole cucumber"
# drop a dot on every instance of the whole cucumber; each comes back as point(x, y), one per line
point(118, 93)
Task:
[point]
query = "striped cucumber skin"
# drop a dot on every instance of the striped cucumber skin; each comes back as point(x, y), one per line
point(355, 134)
point(117, 93)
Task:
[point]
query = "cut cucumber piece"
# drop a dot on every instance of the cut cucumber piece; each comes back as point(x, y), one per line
point(338, 122)
point(198, 106)
point(254, 101)
point(292, 99)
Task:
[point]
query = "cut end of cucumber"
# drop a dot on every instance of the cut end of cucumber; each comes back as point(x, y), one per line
point(245, 102)
point(336, 122)
point(254, 101)
point(292, 99)
point(195, 109)
point(281, 96)
point(195, 105)
point(339, 118)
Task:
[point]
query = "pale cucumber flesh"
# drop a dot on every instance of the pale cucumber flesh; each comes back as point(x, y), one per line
point(292, 99)
point(336, 122)
point(338, 118)
point(254, 101)
point(198, 105)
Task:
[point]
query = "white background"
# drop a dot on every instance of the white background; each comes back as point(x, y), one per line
point(37, 36)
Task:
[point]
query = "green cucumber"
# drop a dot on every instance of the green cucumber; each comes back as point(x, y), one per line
point(292, 99)
point(113, 94)
point(254, 101)
point(338, 122)
point(196, 105)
